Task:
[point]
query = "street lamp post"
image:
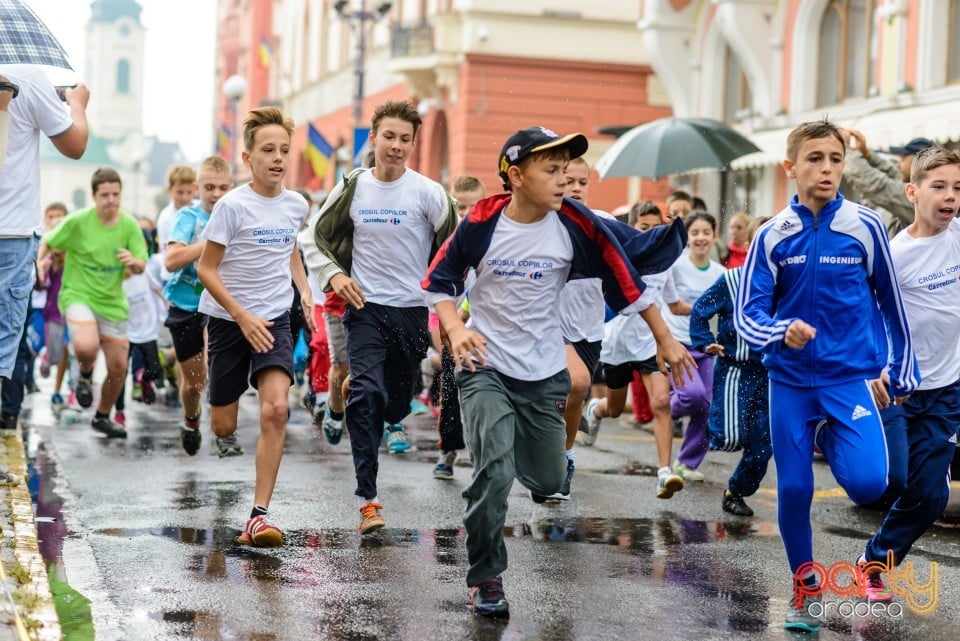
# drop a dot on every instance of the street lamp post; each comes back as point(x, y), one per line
point(233, 88)
point(358, 19)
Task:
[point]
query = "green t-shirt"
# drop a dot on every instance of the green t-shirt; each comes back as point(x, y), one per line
point(92, 274)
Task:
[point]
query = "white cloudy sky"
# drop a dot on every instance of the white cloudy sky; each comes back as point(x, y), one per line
point(180, 81)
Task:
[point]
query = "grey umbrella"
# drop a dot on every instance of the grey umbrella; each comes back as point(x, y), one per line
point(24, 39)
point(673, 146)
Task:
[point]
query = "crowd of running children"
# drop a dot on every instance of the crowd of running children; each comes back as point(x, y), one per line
point(524, 317)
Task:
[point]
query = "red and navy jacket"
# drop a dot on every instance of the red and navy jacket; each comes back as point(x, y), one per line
point(616, 253)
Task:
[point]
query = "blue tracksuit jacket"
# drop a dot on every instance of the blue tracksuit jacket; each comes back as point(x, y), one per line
point(718, 301)
point(832, 270)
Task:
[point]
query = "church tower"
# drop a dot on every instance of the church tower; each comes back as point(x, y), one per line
point(115, 68)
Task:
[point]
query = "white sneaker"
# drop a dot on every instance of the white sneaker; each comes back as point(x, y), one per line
point(668, 483)
point(691, 475)
point(591, 422)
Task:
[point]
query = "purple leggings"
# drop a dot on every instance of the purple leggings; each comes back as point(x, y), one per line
point(693, 400)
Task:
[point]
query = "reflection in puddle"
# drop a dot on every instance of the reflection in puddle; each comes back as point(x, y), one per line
point(647, 536)
point(659, 549)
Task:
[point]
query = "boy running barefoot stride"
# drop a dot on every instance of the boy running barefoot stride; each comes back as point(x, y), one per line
point(246, 266)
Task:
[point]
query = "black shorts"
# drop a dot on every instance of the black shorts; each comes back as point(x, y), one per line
point(619, 376)
point(589, 353)
point(186, 330)
point(233, 365)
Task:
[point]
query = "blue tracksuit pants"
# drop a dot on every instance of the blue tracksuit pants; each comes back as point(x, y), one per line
point(933, 417)
point(740, 418)
point(846, 423)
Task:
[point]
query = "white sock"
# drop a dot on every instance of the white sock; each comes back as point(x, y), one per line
point(664, 471)
point(570, 455)
point(362, 501)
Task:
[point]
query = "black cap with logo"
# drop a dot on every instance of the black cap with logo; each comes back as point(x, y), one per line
point(533, 139)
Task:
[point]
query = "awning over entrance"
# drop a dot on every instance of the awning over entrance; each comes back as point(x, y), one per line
point(939, 122)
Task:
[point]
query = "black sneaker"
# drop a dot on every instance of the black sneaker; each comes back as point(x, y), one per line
point(488, 599)
point(105, 426)
point(84, 391)
point(8, 421)
point(733, 504)
point(538, 498)
point(563, 494)
point(190, 439)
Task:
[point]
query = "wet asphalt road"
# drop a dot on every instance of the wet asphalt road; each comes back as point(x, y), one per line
point(147, 534)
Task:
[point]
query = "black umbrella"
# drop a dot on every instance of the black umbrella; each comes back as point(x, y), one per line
point(673, 146)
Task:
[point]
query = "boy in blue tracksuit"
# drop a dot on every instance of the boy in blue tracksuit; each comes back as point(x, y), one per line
point(819, 297)
point(739, 413)
point(513, 382)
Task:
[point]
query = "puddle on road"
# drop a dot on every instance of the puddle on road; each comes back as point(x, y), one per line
point(73, 609)
point(658, 549)
point(646, 535)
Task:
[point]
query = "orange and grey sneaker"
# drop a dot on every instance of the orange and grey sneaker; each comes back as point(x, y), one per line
point(874, 588)
point(258, 532)
point(372, 518)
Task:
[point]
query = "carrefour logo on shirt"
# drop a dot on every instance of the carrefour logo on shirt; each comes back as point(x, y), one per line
point(538, 266)
point(382, 216)
point(280, 235)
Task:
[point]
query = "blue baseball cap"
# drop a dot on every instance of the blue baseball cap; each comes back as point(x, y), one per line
point(912, 147)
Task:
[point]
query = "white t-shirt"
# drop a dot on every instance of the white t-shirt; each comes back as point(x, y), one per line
point(37, 109)
point(143, 322)
point(627, 337)
point(394, 225)
point(259, 234)
point(581, 306)
point(513, 303)
point(928, 271)
point(686, 282)
point(164, 223)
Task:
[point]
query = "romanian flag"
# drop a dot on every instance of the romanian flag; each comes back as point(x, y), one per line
point(224, 136)
point(318, 152)
point(266, 53)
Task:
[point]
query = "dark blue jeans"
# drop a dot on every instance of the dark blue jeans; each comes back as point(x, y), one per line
point(12, 394)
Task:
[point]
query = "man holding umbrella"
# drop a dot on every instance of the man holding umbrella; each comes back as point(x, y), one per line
point(36, 110)
point(25, 43)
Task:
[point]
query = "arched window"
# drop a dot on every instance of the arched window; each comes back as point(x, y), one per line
point(953, 44)
point(846, 51)
point(123, 76)
point(738, 98)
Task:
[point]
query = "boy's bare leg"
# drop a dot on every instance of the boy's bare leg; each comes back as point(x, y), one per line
point(579, 385)
point(86, 344)
point(62, 368)
point(658, 389)
point(611, 405)
point(337, 376)
point(116, 353)
point(193, 378)
point(223, 419)
point(273, 385)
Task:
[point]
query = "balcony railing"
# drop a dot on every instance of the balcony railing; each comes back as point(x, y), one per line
point(412, 41)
